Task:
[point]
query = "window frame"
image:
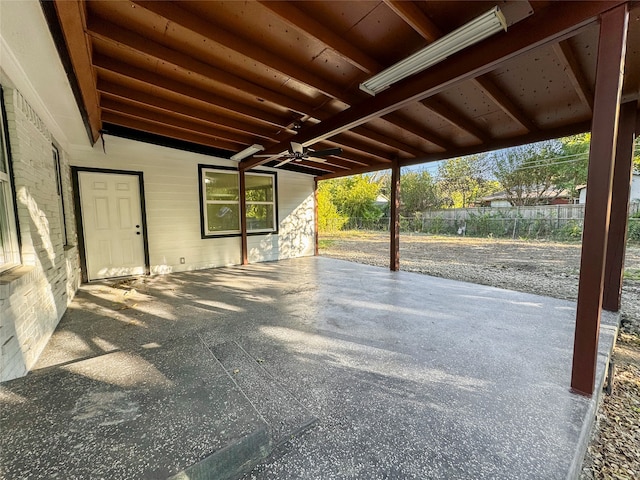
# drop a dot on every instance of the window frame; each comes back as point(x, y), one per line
point(8, 218)
point(57, 165)
point(205, 233)
point(272, 202)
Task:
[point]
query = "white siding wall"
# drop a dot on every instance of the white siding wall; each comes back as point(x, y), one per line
point(635, 189)
point(173, 207)
point(634, 195)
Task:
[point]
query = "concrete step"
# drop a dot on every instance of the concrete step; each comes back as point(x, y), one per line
point(285, 415)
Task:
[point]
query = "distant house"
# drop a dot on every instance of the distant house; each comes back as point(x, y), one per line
point(553, 196)
point(634, 196)
point(381, 201)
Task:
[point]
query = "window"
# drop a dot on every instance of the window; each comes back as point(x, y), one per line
point(9, 255)
point(260, 202)
point(221, 202)
point(58, 171)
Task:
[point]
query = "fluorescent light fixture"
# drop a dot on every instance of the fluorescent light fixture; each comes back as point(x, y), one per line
point(247, 152)
point(476, 30)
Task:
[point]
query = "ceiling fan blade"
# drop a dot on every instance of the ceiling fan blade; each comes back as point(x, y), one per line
point(284, 162)
point(297, 148)
point(326, 152)
point(315, 159)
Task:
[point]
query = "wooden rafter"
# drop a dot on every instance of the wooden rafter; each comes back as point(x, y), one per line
point(157, 102)
point(500, 98)
point(421, 23)
point(114, 34)
point(449, 114)
point(298, 19)
point(148, 79)
point(369, 133)
point(231, 41)
point(164, 130)
point(497, 144)
point(186, 19)
point(292, 15)
point(567, 57)
point(399, 120)
point(170, 119)
point(415, 17)
point(549, 26)
point(72, 20)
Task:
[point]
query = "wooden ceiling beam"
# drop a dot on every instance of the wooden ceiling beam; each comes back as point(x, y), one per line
point(130, 95)
point(114, 34)
point(341, 163)
point(556, 22)
point(73, 24)
point(495, 93)
point(499, 143)
point(217, 34)
point(422, 24)
point(413, 16)
point(150, 80)
point(298, 19)
point(389, 142)
point(166, 131)
point(567, 57)
point(293, 16)
point(347, 141)
point(355, 157)
point(376, 167)
point(396, 118)
point(449, 114)
point(160, 116)
point(322, 166)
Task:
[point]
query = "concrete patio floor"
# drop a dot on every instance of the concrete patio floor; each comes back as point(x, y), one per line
point(310, 368)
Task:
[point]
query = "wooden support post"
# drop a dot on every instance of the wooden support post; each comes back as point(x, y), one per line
point(315, 218)
point(617, 239)
point(394, 220)
point(604, 128)
point(243, 218)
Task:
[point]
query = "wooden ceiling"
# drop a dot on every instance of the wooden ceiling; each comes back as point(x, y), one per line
point(229, 74)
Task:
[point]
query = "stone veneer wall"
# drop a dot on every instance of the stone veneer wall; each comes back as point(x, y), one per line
point(34, 296)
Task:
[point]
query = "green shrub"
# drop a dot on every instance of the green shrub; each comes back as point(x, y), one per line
point(634, 228)
point(572, 230)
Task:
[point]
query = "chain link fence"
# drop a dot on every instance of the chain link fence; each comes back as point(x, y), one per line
point(545, 223)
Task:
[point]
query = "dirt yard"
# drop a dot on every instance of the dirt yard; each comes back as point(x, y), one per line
point(544, 268)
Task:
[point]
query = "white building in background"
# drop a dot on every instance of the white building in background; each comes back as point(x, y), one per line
point(634, 195)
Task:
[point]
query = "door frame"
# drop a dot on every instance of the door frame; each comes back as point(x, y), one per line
point(75, 180)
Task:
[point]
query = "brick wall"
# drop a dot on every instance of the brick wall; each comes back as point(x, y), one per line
point(34, 296)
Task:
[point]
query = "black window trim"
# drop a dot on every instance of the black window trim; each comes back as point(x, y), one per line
point(60, 190)
point(203, 232)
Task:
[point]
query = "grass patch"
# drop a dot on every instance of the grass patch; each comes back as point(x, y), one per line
point(632, 274)
point(324, 243)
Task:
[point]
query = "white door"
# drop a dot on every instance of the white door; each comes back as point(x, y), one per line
point(112, 224)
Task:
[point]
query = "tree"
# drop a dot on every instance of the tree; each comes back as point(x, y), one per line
point(418, 192)
point(329, 219)
point(355, 196)
point(531, 172)
point(461, 180)
point(573, 166)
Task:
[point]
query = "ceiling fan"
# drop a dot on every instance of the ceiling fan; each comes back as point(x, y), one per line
point(298, 153)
